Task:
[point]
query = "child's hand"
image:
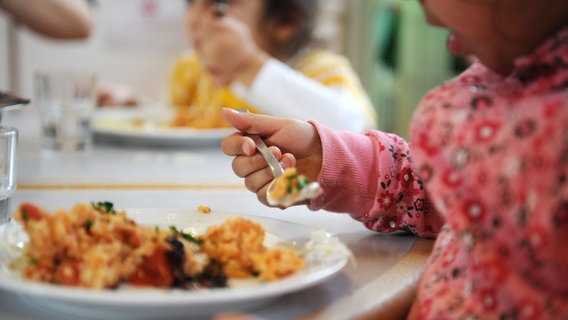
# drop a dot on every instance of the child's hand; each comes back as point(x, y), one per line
point(298, 140)
point(228, 50)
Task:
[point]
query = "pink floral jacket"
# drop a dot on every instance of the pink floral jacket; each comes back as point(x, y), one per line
point(487, 176)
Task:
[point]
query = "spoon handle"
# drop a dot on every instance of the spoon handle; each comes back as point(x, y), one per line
point(274, 165)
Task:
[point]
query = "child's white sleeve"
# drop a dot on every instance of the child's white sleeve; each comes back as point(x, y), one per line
point(282, 91)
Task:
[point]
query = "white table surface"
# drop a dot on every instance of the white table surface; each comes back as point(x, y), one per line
point(386, 268)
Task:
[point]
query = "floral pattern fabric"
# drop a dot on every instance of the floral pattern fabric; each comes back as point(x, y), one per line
point(487, 175)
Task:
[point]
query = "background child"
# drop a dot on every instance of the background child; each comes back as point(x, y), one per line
point(282, 75)
point(486, 173)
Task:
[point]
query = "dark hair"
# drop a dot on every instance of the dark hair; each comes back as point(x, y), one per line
point(301, 13)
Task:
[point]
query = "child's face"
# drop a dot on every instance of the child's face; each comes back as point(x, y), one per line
point(470, 20)
point(495, 31)
point(248, 12)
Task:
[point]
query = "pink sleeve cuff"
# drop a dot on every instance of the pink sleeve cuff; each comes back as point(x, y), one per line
point(348, 173)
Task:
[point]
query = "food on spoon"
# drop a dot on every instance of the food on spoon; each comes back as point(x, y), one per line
point(289, 183)
point(96, 246)
point(292, 187)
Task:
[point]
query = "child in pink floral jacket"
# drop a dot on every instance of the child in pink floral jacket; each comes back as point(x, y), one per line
point(486, 172)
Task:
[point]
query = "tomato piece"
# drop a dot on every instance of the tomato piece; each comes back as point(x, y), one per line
point(155, 270)
point(29, 211)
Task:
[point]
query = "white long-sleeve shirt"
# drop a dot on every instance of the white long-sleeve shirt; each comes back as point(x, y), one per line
point(317, 85)
point(282, 91)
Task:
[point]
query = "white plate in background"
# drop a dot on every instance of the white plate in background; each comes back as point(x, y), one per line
point(116, 124)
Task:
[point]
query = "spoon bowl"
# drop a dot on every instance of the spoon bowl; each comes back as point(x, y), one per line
point(310, 191)
point(289, 192)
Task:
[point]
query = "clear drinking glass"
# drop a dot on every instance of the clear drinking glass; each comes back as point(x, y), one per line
point(66, 102)
point(8, 143)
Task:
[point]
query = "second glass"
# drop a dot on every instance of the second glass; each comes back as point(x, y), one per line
point(66, 101)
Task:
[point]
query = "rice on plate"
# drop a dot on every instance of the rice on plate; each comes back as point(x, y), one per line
point(96, 246)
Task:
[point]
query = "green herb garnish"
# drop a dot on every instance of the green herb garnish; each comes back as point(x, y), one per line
point(25, 214)
point(301, 182)
point(186, 235)
point(104, 206)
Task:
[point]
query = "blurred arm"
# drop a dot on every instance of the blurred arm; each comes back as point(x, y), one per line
point(58, 19)
point(282, 91)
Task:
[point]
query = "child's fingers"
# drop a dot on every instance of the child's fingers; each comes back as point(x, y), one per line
point(245, 122)
point(244, 166)
point(288, 160)
point(236, 144)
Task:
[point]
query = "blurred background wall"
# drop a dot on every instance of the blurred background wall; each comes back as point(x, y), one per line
point(133, 42)
point(397, 56)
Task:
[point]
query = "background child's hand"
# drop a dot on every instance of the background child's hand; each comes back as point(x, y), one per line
point(294, 143)
point(228, 50)
point(111, 94)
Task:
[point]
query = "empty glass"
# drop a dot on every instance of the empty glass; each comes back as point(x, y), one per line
point(66, 101)
point(8, 142)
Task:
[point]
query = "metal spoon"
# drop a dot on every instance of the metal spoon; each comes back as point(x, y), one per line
point(307, 192)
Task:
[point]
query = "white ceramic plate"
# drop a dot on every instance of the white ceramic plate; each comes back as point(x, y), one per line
point(155, 303)
point(116, 125)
